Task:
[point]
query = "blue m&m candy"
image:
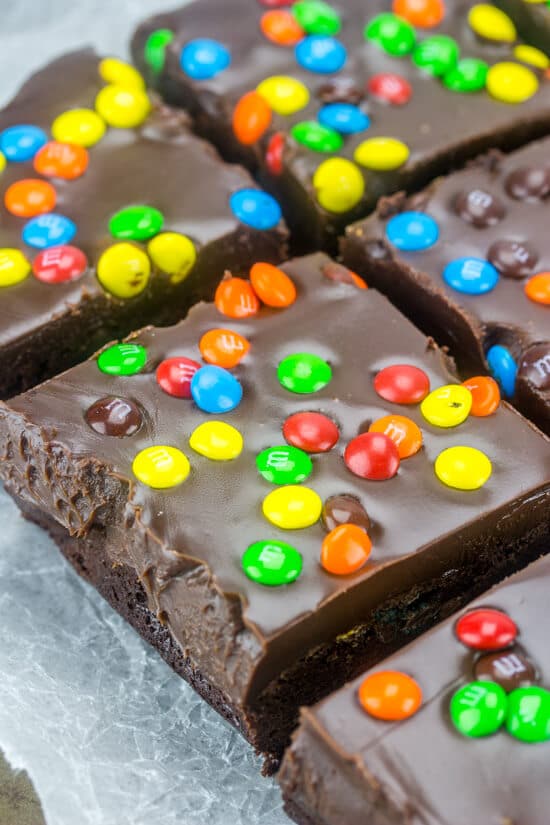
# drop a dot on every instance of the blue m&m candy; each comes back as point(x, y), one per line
point(21, 143)
point(472, 276)
point(48, 230)
point(255, 208)
point(215, 390)
point(344, 117)
point(412, 231)
point(503, 368)
point(203, 59)
point(320, 54)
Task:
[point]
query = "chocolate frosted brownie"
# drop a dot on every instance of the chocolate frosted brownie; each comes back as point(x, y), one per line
point(468, 261)
point(454, 729)
point(532, 18)
point(280, 489)
point(338, 104)
point(113, 215)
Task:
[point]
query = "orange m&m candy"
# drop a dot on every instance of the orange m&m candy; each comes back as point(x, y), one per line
point(405, 434)
point(281, 27)
point(422, 13)
point(272, 285)
point(251, 118)
point(485, 395)
point(223, 347)
point(235, 298)
point(61, 160)
point(537, 288)
point(390, 695)
point(345, 549)
point(29, 197)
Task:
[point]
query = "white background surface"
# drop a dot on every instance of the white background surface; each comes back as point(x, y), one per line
point(107, 732)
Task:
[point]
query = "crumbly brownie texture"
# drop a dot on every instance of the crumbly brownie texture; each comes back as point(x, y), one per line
point(532, 18)
point(330, 141)
point(261, 628)
point(346, 765)
point(468, 261)
point(59, 199)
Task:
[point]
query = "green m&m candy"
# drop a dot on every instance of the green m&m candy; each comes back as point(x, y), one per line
point(136, 223)
point(122, 359)
point(478, 708)
point(317, 137)
point(316, 17)
point(469, 75)
point(391, 33)
point(272, 563)
point(528, 716)
point(284, 465)
point(436, 55)
point(304, 373)
point(154, 52)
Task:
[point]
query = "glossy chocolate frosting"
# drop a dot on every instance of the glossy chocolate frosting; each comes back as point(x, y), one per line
point(186, 542)
point(345, 766)
point(496, 210)
point(440, 127)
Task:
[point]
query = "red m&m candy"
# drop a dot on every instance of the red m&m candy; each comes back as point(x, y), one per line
point(274, 153)
point(486, 629)
point(312, 432)
point(61, 160)
point(372, 455)
point(251, 118)
point(402, 384)
point(275, 4)
point(390, 88)
point(174, 375)
point(59, 264)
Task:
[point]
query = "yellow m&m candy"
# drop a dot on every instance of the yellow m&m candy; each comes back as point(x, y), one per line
point(285, 95)
point(532, 56)
point(217, 440)
point(292, 507)
point(3, 162)
point(124, 270)
point(81, 126)
point(511, 83)
point(174, 254)
point(463, 468)
point(339, 185)
point(447, 406)
point(120, 73)
point(382, 154)
point(491, 23)
point(161, 467)
point(122, 107)
point(14, 267)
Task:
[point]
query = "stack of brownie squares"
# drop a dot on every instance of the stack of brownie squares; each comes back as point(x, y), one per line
point(290, 492)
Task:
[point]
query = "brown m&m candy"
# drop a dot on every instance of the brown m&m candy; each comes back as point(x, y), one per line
point(340, 90)
point(344, 509)
point(479, 208)
point(531, 183)
point(114, 416)
point(513, 259)
point(535, 366)
point(510, 669)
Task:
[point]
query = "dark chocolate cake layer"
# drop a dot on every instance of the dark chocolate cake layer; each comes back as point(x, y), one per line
point(468, 261)
point(345, 765)
point(337, 104)
point(98, 240)
point(287, 525)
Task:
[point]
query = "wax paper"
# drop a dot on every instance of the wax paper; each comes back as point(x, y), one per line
point(108, 734)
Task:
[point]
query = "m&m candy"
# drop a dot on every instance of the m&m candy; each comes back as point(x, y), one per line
point(235, 298)
point(3, 162)
point(274, 155)
point(345, 550)
point(223, 347)
point(83, 127)
point(478, 708)
point(339, 185)
point(381, 154)
point(29, 197)
point(528, 183)
point(217, 441)
point(136, 223)
point(255, 208)
point(412, 231)
point(479, 208)
point(424, 14)
point(471, 276)
point(61, 160)
point(48, 230)
point(285, 95)
point(118, 72)
point(252, 117)
point(21, 143)
point(122, 359)
point(503, 368)
point(320, 53)
point(304, 372)
point(447, 406)
point(215, 390)
point(403, 432)
point(390, 695)
point(281, 27)
point(390, 88)
point(203, 59)
point(174, 375)
point(14, 267)
point(346, 118)
point(59, 264)
point(123, 107)
point(124, 270)
point(312, 432)
point(344, 508)
point(491, 23)
point(391, 33)
point(402, 384)
point(292, 507)
point(272, 563)
point(513, 259)
point(373, 456)
point(272, 286)
point(154, 52)
point(317, 137)
point(115, 417)
point(436, 55)
point(468, 75)
point(316, 17)
point(528, 715)
point(161, 467)
point(511, 82)
point(485, 395)
point(537, 288)
point(284, 465)
point(174, 254)
point(486, 629)
point(463, 468)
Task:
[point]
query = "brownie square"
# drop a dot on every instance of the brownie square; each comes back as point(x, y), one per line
point(368, 102)
point(476, 274)
point(532, 18)
point(234, 528)
point(107, 225)
point(346, 765)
